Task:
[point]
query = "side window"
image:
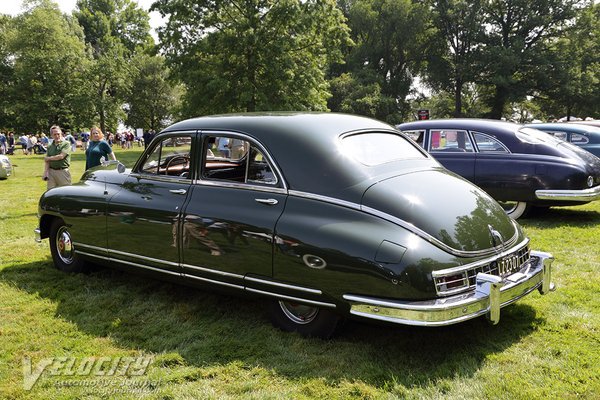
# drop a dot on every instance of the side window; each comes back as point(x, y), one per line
point(417, 136)
point(559, 135)
point(236, 160)
point(579, 139)
point(488, 144)
point(450, 140)
point(169, 157)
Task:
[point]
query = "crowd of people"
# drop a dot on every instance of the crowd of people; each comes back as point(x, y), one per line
point(58, 147)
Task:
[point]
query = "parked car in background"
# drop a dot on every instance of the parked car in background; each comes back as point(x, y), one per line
point(327, 215)
point(520, 167)
point(590, 122)
point(585, 136)
point(5, 167)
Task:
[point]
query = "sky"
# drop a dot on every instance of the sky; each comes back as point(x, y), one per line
point(14, 7)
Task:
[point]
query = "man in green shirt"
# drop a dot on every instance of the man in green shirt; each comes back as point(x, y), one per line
point(57, 160)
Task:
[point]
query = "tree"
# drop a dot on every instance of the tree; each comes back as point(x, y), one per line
point(6, 70)
point(116, 30)
point(452, 64)
point(574, 77)
point(252, 55)
point(50, 65)
point(517, 35)
point(391, 37)
point(152, 97)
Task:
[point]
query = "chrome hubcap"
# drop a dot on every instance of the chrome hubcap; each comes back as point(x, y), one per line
point(64, 245)
point(509, 206)
point(299, 313)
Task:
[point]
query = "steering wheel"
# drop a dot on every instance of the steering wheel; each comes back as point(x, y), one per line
point(186, 162)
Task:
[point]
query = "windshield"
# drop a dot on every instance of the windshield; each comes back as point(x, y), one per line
point(375, 148)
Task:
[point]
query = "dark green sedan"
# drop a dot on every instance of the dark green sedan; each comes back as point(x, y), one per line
point(327, 216)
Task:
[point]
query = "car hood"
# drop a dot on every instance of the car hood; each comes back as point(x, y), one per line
point(445, 207)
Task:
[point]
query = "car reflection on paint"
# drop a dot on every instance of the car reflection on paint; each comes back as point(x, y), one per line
point(327, 216)
point(520, 167)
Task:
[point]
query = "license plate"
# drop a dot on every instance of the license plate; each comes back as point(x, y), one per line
point(508, 265)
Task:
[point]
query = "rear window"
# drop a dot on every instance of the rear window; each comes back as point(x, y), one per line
point(379, 148)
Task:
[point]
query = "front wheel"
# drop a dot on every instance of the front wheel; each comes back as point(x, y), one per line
point(516, 209)
point(304, 319)
point(62, 249)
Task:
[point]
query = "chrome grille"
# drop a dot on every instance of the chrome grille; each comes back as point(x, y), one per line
point(458, 280)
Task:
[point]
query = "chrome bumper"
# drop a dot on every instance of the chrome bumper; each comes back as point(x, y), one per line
point(38, 235)
point(590, 194)
point(491, 294)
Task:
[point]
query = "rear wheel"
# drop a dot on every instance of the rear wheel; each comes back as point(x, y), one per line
point(515, 209)
point(305, 319)
point(63, 250)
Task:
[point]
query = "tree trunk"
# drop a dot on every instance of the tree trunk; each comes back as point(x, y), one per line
point(458, 98)
point(498, 102)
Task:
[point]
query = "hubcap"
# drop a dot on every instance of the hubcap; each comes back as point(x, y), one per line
point(509, 206)
point(299, 313)
point(64, 245)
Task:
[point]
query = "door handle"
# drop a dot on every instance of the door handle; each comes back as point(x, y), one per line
point(178, 191)
point(270, 202)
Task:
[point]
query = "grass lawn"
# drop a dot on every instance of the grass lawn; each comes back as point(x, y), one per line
point(206, 345)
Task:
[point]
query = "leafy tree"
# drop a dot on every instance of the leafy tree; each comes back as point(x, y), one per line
point(574, 76)
point(6, 70)
point(391, 38)
point(517, 35)
point(116, 30)
point(152, 97)
point(452, 63)
point(252, 55)
point(50, 64)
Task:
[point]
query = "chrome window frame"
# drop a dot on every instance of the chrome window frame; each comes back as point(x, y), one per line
point(491, 137)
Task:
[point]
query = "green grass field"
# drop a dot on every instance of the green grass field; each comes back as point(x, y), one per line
point(207, 345)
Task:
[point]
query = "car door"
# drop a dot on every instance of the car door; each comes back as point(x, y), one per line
point(454, 150)
point(499, 172)
point(143, 216)
point(228, 225)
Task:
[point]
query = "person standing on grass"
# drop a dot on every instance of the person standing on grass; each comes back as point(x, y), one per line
point(57, 160)
point(97, 148)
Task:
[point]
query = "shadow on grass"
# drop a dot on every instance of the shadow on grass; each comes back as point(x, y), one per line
point(205, 329)
point(561, 216)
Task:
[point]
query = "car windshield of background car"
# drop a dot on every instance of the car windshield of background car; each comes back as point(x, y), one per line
point(535, 136)
point(377, 148)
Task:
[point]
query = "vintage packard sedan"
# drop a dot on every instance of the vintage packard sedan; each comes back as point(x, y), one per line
point(585, 136)
point(326, 215)
point(518, 166)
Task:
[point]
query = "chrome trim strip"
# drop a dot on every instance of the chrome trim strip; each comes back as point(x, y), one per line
point(118, 260)
point(244, 186)
point(291, 298)
point(590, 194)
point(283, 285)
point(458, 308)
point(212, 271)
point(155, 260)
point(462, 268)
point(213, 281)
point(408, 226)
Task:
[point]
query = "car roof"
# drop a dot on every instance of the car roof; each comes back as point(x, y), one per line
point(462, 123)
point(306, 147)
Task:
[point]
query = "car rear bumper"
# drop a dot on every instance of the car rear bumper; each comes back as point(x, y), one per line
point(590, 194)
point(491, 294)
